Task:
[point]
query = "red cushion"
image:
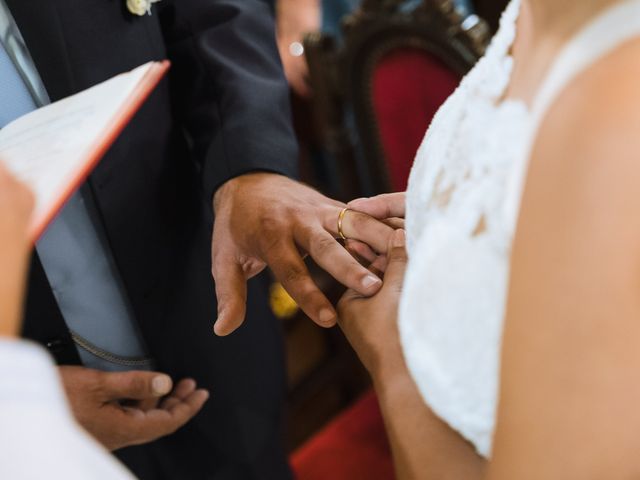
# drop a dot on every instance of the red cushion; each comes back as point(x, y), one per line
point(353, 446)
point(409, 85)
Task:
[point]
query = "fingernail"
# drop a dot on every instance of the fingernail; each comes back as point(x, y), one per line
point(326, 316)
point(161, 385)
point(399, 238)
point(370, 281)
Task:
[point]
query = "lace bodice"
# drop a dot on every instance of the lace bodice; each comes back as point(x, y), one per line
point(462, 207)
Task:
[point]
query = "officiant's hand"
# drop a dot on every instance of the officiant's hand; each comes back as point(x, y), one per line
point(130, 408)
point(267, 219)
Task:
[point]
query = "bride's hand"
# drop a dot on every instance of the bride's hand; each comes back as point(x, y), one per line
point(370, 324)
point(16, 205)
point(388, 207)
point(385, 206)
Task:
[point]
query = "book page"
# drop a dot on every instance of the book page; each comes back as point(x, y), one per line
point(53, 148)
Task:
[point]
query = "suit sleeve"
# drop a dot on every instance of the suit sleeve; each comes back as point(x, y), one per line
point(228, 87)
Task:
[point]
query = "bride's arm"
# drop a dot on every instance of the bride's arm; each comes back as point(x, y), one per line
point(423, 446)
point(570, 393)
point(16, 203)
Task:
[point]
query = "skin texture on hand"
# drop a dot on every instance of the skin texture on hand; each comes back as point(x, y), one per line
point(267, 219)
point(387, 205)
point(130, 408)
point(389, 208)
point(16, 205)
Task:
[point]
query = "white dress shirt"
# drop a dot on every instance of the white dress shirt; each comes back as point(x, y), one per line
point(39, 438)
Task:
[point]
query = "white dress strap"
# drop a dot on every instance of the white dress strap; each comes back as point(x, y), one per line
point(605, 33)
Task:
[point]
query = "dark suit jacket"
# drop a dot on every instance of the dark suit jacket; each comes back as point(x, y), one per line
point(222, 111)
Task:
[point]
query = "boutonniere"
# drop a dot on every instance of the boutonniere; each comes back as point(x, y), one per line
point(140, 7)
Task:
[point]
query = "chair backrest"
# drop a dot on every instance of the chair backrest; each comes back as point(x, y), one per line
point(389, 76)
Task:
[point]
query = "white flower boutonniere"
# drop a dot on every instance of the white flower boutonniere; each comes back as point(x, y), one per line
point(140, 7)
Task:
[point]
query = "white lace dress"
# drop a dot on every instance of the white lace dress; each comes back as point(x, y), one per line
point(462, 207)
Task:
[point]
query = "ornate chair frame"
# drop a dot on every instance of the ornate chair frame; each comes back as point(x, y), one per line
point(342, 75)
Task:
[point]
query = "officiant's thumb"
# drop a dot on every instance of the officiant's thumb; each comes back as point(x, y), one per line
point(137, 385)
point(397, 260)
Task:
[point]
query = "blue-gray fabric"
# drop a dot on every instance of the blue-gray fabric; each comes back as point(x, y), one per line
point(74, 252)
point(15, 99)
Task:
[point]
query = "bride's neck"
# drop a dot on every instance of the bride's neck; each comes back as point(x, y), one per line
point(544, 27)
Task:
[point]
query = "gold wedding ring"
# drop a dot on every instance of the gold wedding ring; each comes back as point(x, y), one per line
point(340, 220)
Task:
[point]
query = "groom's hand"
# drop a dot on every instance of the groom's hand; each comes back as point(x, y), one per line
point(267, 219)
point(130, 408)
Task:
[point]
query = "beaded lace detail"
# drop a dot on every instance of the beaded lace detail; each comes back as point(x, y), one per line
point(462, 207)
point(459, 235)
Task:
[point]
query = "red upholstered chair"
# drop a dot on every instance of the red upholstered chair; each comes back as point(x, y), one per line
point(353, 446)
point(392, 72)
point(408, 87)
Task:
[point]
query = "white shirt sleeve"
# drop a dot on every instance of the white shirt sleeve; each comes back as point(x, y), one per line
point(39, 438)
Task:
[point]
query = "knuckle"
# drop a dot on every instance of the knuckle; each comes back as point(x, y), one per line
point(361, 223)
point(217, 264)
point(271, 243)
point(321, 246)
point(293, 275)
point(308, 231)
point(357, 219)
point(138, 383)
point(312, 297)
point(269, 225)
point(398, 253)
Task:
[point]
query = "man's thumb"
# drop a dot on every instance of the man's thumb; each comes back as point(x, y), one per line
point(137, 385)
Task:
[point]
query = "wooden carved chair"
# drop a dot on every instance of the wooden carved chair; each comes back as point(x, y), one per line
point(386, 80)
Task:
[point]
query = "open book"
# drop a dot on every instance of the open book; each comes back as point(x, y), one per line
point(54, 149)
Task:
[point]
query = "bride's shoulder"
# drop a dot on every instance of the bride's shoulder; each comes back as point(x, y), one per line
point(585, 164)
point(594, 124)
point(609, 86)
